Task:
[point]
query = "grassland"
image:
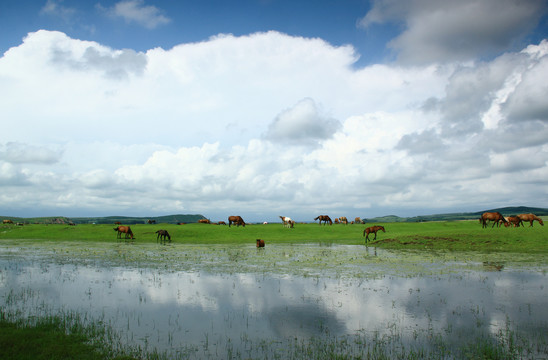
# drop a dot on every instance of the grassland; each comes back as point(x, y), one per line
point(439, 235)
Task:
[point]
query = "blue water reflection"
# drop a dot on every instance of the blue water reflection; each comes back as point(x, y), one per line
point(213, 313)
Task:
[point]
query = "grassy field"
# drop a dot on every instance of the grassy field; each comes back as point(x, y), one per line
point(450, 235)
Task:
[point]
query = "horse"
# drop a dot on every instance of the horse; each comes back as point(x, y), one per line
point(513, 220)
point(357, 220)
point(151, 221)
point(260, 243)
point(221, 223)
point(288, 223)
point(372, 229)
point(324, 218)
point(343, 220)
point(204, 221)
point(7, 221)
point(495, 217)
point(162, 235)
point(123, 229)
point(236, 220)
point(530, 218)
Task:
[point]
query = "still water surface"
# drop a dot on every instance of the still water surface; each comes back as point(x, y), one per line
point(207, 311)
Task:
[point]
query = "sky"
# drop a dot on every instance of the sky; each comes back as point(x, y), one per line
point(262, 108)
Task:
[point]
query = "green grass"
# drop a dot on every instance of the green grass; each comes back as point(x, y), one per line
point(48, 339)
point(442, 235)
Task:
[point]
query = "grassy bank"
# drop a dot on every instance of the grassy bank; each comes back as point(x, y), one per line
point(449, 235)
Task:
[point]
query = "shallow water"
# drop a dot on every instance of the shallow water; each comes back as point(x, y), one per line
point(203, 302)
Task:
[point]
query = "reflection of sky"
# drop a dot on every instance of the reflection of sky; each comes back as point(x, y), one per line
point(174, 309)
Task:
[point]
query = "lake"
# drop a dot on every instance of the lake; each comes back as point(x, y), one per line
point(192, 301)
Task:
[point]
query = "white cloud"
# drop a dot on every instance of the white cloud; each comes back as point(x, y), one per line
point(55, 8)
point(455, 30)
point(303, 124)
point(136, 11)
point(205, 128)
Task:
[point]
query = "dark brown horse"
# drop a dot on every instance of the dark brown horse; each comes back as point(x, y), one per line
point(204, 221)
point(495, 217)
point(530, 218)
point(260, 243)
point(323, 218)
point(162, 236)
point(372, 229)
point(236, 220)
point(123, 229)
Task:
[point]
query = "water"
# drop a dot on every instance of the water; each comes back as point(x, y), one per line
point(198, 309)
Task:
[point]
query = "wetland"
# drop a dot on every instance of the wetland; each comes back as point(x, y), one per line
point(313, 300)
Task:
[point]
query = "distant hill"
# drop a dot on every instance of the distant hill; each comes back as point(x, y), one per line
point(506, 211)
point(170, 219)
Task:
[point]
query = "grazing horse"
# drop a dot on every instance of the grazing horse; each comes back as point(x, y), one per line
point(495, 217)
point(513, 220)
point(260, 243)
point(372, 229)
point(530, 218)
point(236, 220)
point(123, 229)
point(324, 218)
point(151, 221)
point(162, 235)
point(288, 223)
point(204, 221)
point(357, 220)
point(221, 223)
point(343, 220)
point(7, 221)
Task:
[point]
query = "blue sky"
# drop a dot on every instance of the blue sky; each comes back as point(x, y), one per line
point(267, 108)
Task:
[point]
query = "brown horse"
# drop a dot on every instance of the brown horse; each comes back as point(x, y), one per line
point(236, 220)
point(343, 220)
point(495, 217)
point(358, 220)
point(162, 235)
point(372, 229)
point(530, 218)
point(123, 229)
point(324, 218)
point(7, 221)
point(204, 221)
point(260, 243)
point(513, 220)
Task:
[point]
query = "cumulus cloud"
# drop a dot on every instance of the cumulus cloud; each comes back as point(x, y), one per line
point(136, 11)
point(443, 31)
point(205, 128)
point(302, 124)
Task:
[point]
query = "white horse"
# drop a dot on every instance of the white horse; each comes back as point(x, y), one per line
point(288, 223)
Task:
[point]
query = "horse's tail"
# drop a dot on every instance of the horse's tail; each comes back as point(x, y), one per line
point(316, 218)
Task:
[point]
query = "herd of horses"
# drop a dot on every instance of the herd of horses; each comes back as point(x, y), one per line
point(498, 219)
